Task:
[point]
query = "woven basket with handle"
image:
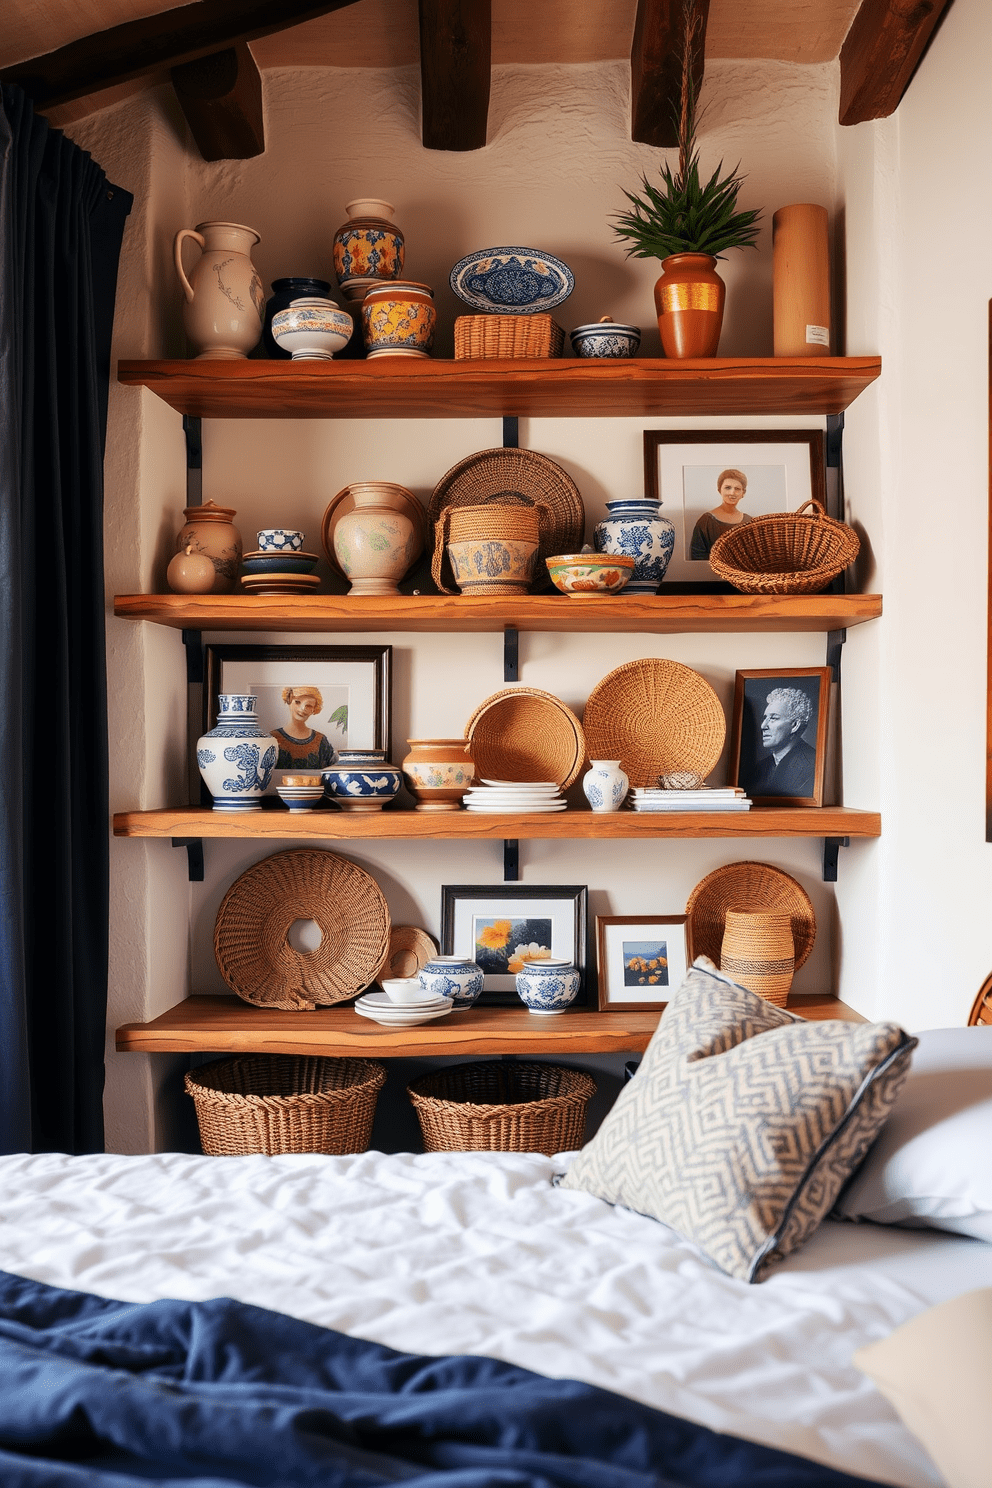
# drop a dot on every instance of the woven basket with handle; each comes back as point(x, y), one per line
point(489, 523)
point(490, 1106)
point(785, 553)
point(276, 1103)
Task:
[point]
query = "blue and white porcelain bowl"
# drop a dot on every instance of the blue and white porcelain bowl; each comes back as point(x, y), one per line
point(607, 338)
point(280, 540)
point(312, 330)
point(636, 529)
point(362, 780)
point(455, 977)
point(548, 986)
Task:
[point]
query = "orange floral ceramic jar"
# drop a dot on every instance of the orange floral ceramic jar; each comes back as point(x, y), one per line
point(369, 247)
point(439, 772)
point(399, 319)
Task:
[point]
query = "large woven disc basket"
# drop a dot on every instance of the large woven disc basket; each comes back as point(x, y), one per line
point(285, 1103)
point(747, 886)
point(493, 1106)
point(656, 717)
point(524, 733)
point(785, 553)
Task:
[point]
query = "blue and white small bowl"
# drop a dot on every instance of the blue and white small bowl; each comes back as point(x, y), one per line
point(362, 780)
point(455, 977)
point(280, 540)
point(548, 987)
point(607, 338)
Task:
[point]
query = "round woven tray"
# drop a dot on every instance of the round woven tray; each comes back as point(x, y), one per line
point(655, 717)
point(344, 502)
point(255, 957)
point(747, 886)
point(523, 733)
point(510, 477)
point(410, 949)
point(785, 553)
point(495, 1107)
point(285, 1103)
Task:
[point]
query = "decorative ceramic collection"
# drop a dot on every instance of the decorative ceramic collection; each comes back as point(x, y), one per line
point(520, 280)
point(286, 292)
point(398, 319)
point(376, 541)
point(548, 986)
point(235, 757)
point(362, 779)
point(590, 573)
point(438, 772)
point(210, 530)
point(312, 330)
point(636, 529)
point(605, 785)
point(224, 300)
point(368, 248)
point(453, 976)
point(605, 338)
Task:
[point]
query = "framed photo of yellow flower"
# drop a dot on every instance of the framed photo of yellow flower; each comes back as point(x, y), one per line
point(503, 926)
point(641, 959)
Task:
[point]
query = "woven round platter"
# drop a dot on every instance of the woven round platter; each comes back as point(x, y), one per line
point(510, 477)
point(655, 716)
point(255, 957)
point(523, 733)
point(410, 949)
point(747, 886)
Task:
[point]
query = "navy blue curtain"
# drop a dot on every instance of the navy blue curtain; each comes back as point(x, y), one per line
point(61, 227)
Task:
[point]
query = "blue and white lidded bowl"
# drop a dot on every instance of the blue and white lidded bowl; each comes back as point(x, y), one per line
point(605, 338)
point(235, 758)
point(637, 529)
point(362, 779)
point(548, 986)
point(455, 977)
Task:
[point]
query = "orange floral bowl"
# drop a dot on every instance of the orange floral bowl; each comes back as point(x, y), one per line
point(590, 573)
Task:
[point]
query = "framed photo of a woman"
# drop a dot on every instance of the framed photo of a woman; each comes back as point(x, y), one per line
point(778, 736)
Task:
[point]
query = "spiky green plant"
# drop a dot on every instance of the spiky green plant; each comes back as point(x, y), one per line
point(685, 215)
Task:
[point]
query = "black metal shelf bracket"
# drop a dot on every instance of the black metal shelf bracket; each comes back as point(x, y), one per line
point(193, 432)
point(831, 852)
point(511, 860)
point(194, 856)
point(511, 432)
point(835, 649)
point(511, 654)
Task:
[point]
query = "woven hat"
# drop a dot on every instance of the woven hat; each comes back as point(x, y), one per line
point(523, 733)
point(655, 716)
point(747, 886)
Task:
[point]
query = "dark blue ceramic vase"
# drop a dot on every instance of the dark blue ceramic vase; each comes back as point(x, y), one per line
point(284, 292)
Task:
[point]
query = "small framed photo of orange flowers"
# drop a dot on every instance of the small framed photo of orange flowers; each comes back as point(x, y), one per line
point(503, 926)
point(641, 959)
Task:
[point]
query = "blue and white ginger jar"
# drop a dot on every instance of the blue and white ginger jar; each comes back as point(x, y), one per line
point(235, 758)
point(455, 977)
point(637, 529)
point(362, 779)
point(548, 986)
point(605, 785)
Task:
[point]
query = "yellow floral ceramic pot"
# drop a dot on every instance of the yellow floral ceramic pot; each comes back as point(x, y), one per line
point(399, 319)
point(369, 246)
point(490, 567)
point(439, 772)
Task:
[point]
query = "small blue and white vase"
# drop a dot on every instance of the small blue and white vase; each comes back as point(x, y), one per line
point(235, 758)
point(455, 977)
point(362, 779)
point(605, 785)
point(637, 529)
point(548, 986)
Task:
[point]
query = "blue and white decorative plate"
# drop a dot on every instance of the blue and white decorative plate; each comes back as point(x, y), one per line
point(517, 281)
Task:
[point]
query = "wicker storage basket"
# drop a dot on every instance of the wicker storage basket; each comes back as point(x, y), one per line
point(786, 553)
point(507, 336)
point(276, 1103)
point(525, 733)
point(493, 1106)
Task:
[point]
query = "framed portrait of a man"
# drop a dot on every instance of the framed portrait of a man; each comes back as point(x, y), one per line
point(778, 737)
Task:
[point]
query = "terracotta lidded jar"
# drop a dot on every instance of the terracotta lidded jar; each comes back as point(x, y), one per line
point(369, 246)
point(224, 299)
point(758, 952)
point(210, 530)
point(439, 772)
point(689, 298)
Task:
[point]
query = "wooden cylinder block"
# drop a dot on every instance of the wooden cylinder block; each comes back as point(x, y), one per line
point(801, 275)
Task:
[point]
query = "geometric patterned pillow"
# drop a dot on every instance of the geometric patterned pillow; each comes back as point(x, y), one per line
point(743, 1121)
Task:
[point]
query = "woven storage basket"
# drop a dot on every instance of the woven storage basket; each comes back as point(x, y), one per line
point(747, 886)
point(493, 1106)
point(786, 553)
point(524, 733)
point(655, 716)
point(758, 952)
point(507, 336)
point(275, 1103)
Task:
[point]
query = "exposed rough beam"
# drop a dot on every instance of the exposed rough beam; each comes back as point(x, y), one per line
point(221, 96)
point(455, 42)
point(656, 68)
point(165, 40)
point(881, 52)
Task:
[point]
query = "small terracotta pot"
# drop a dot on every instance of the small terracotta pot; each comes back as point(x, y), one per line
point(438, 772)
point(758, 952)
point(689, 298)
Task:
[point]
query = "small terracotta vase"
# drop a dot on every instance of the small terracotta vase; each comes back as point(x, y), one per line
point(689, 298)
point(758, 952)
point(439, 772)
point(190, 573)
point(399, 319)
point(376, 542)
point(369, 246)
point(210, 530)
point(225, 301)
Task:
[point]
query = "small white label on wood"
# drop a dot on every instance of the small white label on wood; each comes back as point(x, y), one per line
point(817, 335)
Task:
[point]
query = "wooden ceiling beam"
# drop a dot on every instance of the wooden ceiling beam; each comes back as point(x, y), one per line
point(881, 52)
point(656, 68)
point(455, 50)
point(221, 96)
point(169, 39)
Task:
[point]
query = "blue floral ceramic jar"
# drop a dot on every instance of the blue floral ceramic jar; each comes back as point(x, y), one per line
point(235, 758)
point(637, 529)
point(605, 785)
point(453, 976)
point(362, 779)
point(548, 986)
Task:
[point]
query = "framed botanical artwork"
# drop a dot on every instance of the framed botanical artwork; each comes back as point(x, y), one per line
point(313, 699)
point(500, 926)
point(640, 960)
point(778, 735)
point(711, 479)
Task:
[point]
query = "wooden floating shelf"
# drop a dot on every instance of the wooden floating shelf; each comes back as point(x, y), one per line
point(328, 824)
point(226, 1025)
point(662, 614)
point(390, 387)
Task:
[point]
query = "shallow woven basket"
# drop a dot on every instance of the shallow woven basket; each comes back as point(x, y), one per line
point(410, 949)
point(493, 1106)
point(524, 733)
point(507, 336)
point(747, 886)
point(655, 716)
point(786, 553)
point(275, 1103)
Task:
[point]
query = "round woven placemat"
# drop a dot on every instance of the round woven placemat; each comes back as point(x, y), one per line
point(655, 716)
point(410, 949)
point(523, 733)
point(510, 477)
point(255, 957)
point(747, 886)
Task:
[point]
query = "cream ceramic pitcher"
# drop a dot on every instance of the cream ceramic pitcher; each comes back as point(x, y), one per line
point(224, 304)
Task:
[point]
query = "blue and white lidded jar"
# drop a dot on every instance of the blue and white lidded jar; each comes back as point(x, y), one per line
point(548, 986)
point(605, 785)
point(362, 779)
point(637, 529)
point(455, 977)
point(235, 758)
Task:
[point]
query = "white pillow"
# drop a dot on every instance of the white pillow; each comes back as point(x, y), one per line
point(931, 1165)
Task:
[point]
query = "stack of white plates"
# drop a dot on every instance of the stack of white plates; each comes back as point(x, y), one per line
point(382, 1009)
point(515, 797)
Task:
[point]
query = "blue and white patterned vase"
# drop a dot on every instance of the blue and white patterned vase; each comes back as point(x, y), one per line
point(235, 758)
point(548, 986)
point(453, 976)
point(605, 785)
point(362, 779)
point(637, 529)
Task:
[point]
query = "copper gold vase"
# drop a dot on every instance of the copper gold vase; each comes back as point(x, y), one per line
point(689, 298)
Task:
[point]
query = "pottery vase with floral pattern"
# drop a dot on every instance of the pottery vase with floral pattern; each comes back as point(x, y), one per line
point(376, 542)
point(637, 529)
point(369, 247)
point(224, 300)
point(548, 986)
point(439, 772)
point(399, 319)
point(235, 757)
point(605, 785)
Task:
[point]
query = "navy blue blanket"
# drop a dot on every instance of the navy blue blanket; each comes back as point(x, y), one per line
point(102, 1394)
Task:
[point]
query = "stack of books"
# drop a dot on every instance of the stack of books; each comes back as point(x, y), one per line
point(706, 798)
